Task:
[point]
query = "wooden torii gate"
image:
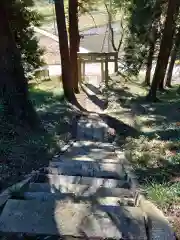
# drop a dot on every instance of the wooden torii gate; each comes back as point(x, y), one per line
point(96, 57)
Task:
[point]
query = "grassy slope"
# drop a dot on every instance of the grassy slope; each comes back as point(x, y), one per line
point(23, 150)
point(155, 152)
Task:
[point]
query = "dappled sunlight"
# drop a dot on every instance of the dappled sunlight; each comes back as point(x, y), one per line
point(89, 221)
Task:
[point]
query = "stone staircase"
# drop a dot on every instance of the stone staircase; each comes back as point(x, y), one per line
point(85, 193)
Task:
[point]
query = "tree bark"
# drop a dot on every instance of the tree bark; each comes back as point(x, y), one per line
point(157, 11)
point(74, 40)
point(149, 63)
point(173, 58)
point(64, 52)
point(13, 84)
point(173, 27)
point(165, 49)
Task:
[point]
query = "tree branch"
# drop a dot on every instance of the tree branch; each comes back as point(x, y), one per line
point(110, 27)
point(122, 35)
point(89, 13)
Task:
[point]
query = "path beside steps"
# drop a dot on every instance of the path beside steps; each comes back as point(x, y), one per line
point(87, 192)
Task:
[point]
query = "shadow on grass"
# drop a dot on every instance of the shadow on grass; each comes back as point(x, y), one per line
point(122, 95)
point(122, 130)
point(161, 122)
point(24, 150)
point(162, 118)
point(164, 174)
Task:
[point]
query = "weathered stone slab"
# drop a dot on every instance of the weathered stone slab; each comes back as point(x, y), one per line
point(81, 190)
point(20, 187)
point(84, 129)
point(59, 180)
point(99, 158)
point(91, 153)
point(88, 169)
point(158, 226)
point(69, 219)
point(89, 145)
point(112, 201)
point(91, 129)
point(45, 196)
point(69, 158)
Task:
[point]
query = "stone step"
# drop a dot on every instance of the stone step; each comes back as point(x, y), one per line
point(81, 190)
point(64, 180)
point(91, 129)
point(81, 147)
point(91, 151)
point(87, 169)
point(90, 157)
point(51, 186)
point(91, 146)
point(66, 219)
point(106, 200)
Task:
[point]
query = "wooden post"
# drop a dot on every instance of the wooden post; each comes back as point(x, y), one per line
point(116, 62)
point(106, 71)
point(102, 71)
point(83, 69)
point(79, 70)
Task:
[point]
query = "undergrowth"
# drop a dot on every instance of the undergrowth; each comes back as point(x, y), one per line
point(22, 149)
point(155, 152)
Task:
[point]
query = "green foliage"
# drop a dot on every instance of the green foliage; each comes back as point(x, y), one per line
point(142, 16)
point(175, 159)
point(135, 52)
point(146, 153)
point(139, 21)
point(124, 5)
point(87, 5)
point(22, 20)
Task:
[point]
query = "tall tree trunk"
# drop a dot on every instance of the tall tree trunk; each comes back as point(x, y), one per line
point(165, 49)
point(149, 63)
point(173, 58)
point(64, 52)
point(157, 11)
point(172, 30)
point(13, 84)
point(74, 40)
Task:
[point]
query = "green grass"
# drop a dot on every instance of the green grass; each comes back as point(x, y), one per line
point(163, 194)
point(166, 196)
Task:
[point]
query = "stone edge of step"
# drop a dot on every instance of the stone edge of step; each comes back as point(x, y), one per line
point(131, 177)
point(157, 225)
point(20, 186)
point(64, 149)
point(7, 193)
